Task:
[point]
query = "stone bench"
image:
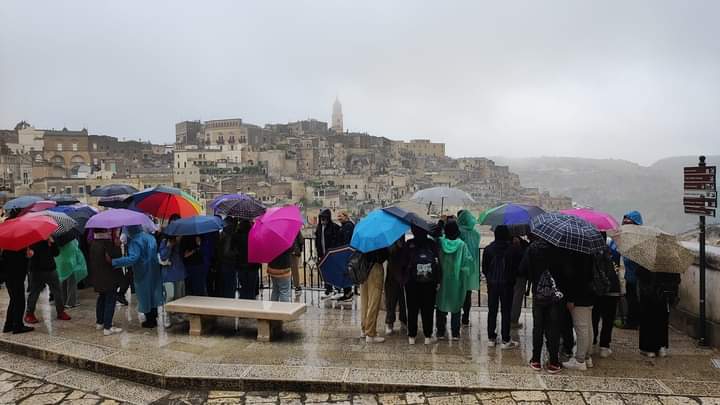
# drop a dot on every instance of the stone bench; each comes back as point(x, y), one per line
point(269, 314)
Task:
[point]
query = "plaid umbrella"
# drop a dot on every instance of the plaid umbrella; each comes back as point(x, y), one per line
point(247, 208)
point(653, 249)
point(568, 232)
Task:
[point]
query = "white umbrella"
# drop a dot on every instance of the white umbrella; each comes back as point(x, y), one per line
point(653, 248)
point(442, 197)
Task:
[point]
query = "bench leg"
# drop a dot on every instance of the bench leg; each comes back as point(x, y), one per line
point(196, 324)
point(268, 330)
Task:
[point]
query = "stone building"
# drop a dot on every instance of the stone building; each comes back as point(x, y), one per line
point(188, 133)
point(66, 149)
point(337, 117)
point(424, 148)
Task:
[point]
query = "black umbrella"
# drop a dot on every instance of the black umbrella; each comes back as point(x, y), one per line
point(409, 217)
point(113, 190)
point(118, 201)
point(64, 199)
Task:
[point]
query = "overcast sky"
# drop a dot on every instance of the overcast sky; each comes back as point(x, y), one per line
point(638, 80)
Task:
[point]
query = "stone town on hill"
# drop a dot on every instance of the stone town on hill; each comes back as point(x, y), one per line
point(304, 162)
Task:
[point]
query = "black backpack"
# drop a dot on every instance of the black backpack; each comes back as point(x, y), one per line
point(423, 265)
point(600, 283)
point(358, 267)
point(546, 289)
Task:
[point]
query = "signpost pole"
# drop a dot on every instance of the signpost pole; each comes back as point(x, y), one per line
point(701, 328)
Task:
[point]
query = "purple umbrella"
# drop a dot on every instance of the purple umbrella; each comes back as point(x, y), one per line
point(235, 196)
point(117, 218)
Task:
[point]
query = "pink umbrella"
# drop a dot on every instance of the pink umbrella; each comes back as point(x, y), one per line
point(602, 220)
point(42, 205)
point(273, 233)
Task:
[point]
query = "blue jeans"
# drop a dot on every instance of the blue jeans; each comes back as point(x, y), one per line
point(280, 289)
point(441, 321)
point(198, 280)
point(105, 309)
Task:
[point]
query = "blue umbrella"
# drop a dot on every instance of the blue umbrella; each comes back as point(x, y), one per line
point(197, 225)
point(21, 202)
point(333, 267)
point(378, 230)
point(509, 214)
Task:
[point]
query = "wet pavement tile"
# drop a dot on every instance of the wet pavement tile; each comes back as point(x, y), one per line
point(152, 364)
point(602, 398)
point(82, 350)
point(132, 392)
point(694, 388)
point(413, 377)
point(79, 379)
point(29, 366)
point(296, 373)
point(628, 385)
point(208, 370)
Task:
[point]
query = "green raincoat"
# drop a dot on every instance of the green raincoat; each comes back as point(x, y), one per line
point(466, 222)
point(71, 261)
point(455, 261)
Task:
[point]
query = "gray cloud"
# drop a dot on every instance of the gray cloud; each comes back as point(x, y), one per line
point(638, 80)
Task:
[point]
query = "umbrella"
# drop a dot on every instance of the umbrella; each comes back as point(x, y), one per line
point(410, 217)
point(113, 190)
point(377, 230)
point(42, 205)
point(235, 196)
point(19, 233)
point(652, 248)
point(602, 220)
point(442, 196)
point(246, 208)
point(81, 214)
point(64, 221)
point(568, 232)
point(119, 201)
point(509, 214)
point(21, 202)
point(64, 199)
point(117, 218)
point(198, 225)
point(333, 267)
point(165, 202)
point(273, 233)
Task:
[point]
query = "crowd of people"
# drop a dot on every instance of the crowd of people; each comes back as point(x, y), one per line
point(431, 276)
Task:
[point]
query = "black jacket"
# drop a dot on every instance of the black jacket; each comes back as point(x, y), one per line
point(14, 265)
point(538, 257)
point(43, 259)
point(577, 269)
point(346, 232)
point(495, 250)
point(331, 236)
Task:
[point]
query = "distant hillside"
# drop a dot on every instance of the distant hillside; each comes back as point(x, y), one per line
point(615, 186)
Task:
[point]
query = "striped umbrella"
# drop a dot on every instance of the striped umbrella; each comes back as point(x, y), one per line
point(165, 202)
point(568, 232)
point(65, 222)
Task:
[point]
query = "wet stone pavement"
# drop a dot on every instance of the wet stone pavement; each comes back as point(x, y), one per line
point(322, 353)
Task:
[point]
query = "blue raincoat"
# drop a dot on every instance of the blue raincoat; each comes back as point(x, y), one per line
point(631, 266)
point(142, 256)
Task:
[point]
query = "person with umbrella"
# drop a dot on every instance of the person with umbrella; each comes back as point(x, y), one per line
point(580, 299)
point(455, 261)
point(15, 264)
point(371, 295)
point(347, 226)
point(500, 272)
point(248, 272)
point(173, 268)
point(466, 221)
point(327, 236)
point(192, 257)
point(147, 278)
point(105, 279)
point(631, 268)
point(395, 304)
point(228, 256)
point(606, 305)
point(43, 273)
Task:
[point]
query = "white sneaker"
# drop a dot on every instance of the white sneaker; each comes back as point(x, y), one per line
point(166, 320)
point(362, 335)
point(663, 352)
point(374, 339)
point(509, 345)
point(573, 364)
point(99, 326)
point(589, 362)
point(492, 343)
point(337, 296)
point(647, 354)
point(388, 329)
point(455, 338)
point(411, 340)
point(605, 352)
point(113, 330)
point(430, 340)
point(441, 337)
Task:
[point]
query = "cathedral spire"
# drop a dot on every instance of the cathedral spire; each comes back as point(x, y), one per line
point(337, 117)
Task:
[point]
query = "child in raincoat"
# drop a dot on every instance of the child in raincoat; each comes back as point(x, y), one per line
point(455, 262)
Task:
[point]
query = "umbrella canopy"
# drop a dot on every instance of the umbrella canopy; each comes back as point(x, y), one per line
point(118, 201)
point(42, 205)
point(652, 248)
point(165, 202)
point(378, 230)
point(602, 220)
point(113, 190)
point(443, 197)
point(235, 196)
point(64, 199)
point(245, 208)
point(81, 214)
point(65, 223)
point(333, 267)
point(509, 214)
point(117, 218)
point(198, 225)
point(19, 233)
point(410, 217)
point(568, 232)
point(21, 202)
point(273, 233)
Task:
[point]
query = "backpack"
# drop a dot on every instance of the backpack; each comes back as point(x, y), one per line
point(546, 288)
point(600, 283)
point(358, 267)
point(423, 266)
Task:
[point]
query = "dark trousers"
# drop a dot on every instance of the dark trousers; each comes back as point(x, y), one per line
point(151, 318)
point(16, 306)
point(499, 295)
point(228, 280)
point(127, 283)
point(394, 300)
point(37, 281)
point(441, 321)
point(604, 309)
point(420, 298)
point(566, 330)
point(466, 308)
point(654, 319)
point(248, 280)
point(518, 298)
point(198, 280)
point(546, 327)
point(633, 305)
point(105, 309)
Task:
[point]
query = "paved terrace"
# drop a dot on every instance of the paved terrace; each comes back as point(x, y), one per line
point(322, 353)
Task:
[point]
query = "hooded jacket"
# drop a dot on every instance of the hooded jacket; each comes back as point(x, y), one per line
point(147, 277)
point(466, 222)
point(455, 262)
point(631, 268)
point(326, 236)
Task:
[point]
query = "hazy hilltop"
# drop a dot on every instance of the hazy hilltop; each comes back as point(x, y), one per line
point(615, 186)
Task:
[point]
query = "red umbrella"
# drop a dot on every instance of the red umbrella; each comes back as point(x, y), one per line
point(19, 233)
